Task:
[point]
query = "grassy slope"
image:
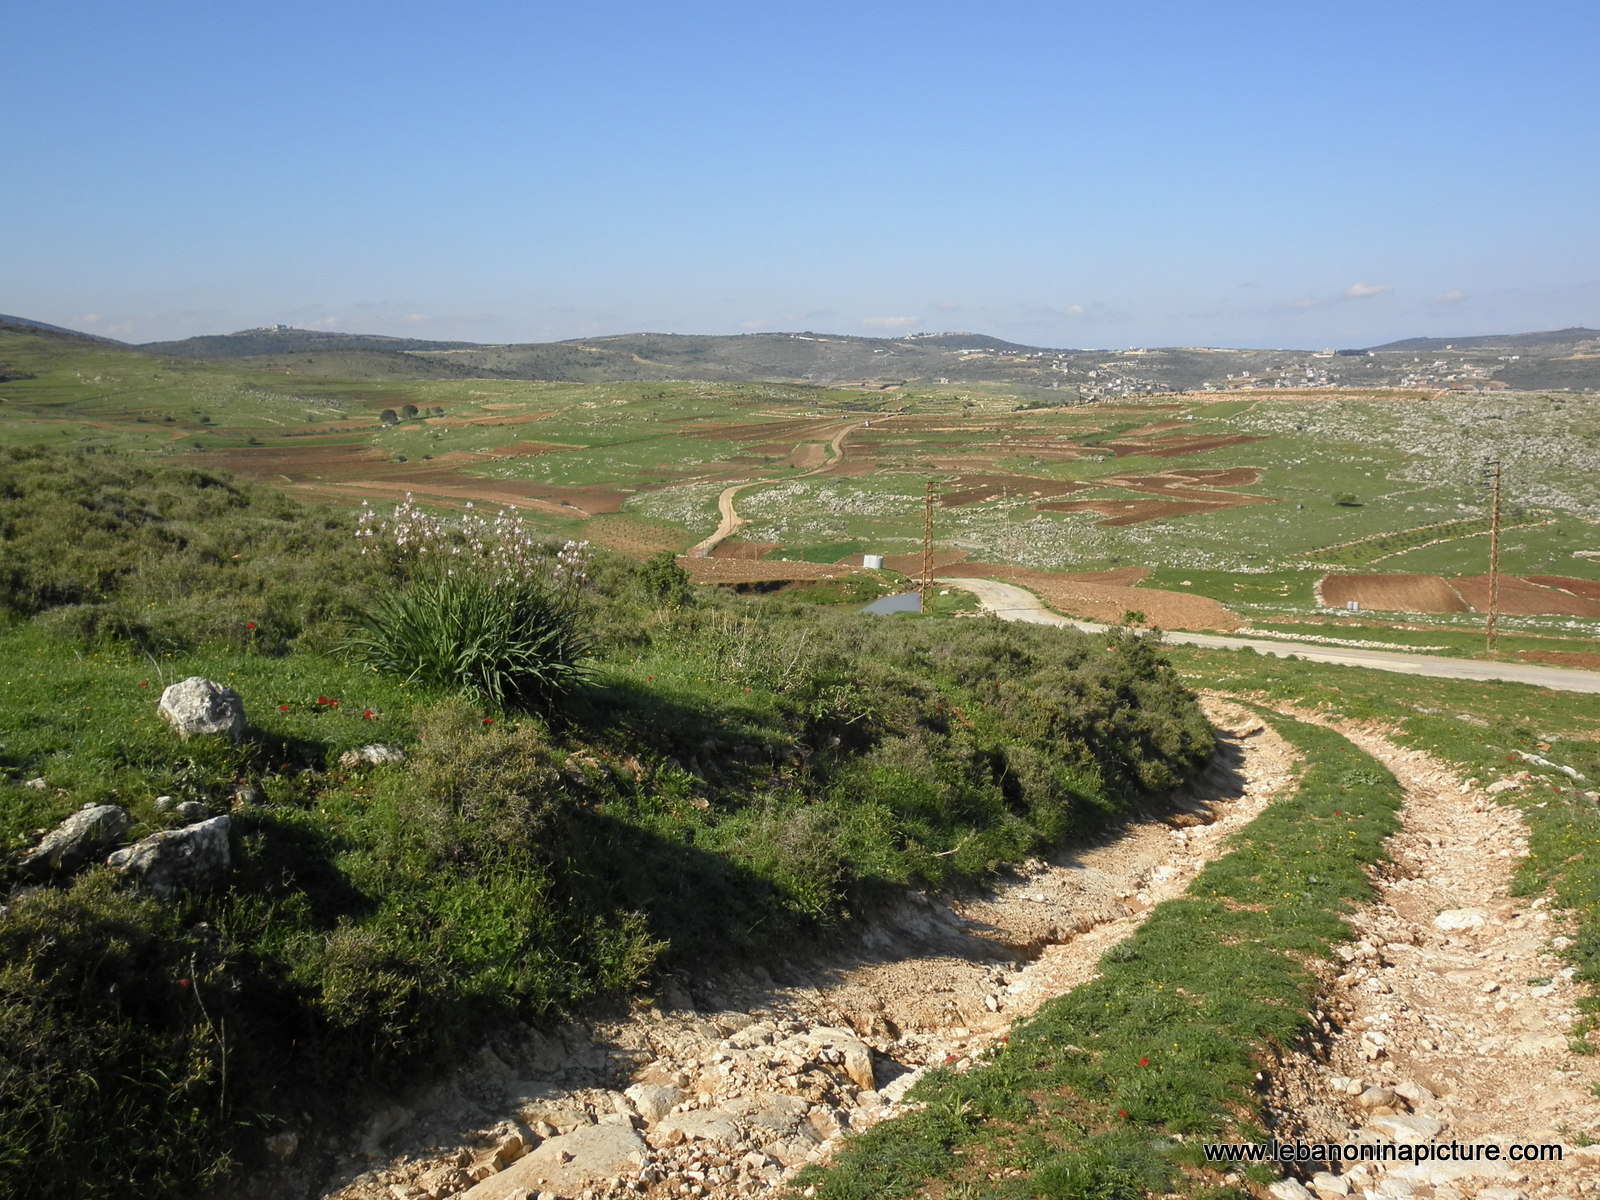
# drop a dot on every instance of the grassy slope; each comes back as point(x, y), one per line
point(730, 777)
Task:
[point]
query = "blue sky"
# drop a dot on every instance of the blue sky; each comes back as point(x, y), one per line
point(1290, 173)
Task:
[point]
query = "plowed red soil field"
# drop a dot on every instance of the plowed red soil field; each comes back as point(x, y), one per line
point(1109, 601)
point(749, 551)
point(737, 570)
point(1562, 658)
point(911, 564)
point(1170, 446)
point(975, 489)
point(1397, 593)
point(1220, 476)
point(1578, 587)
point(1518, 597)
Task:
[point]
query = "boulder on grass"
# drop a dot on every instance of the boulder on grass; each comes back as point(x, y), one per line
point(190, 859)
point(86, 836)
point(372, 756)
point(199, 706)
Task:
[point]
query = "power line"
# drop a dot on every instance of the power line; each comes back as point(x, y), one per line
point(1491, 475)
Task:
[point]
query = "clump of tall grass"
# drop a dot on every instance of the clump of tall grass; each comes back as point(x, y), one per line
point(488, 609)
point(512, 644)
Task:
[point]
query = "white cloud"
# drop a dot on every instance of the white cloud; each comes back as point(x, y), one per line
point(1074, 310)
point(416, 318)
point(1360, 291)
point(891, 324)
point(755, 325)
point(1449, 298)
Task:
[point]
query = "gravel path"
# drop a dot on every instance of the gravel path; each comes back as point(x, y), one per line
point(1450, 1013)
point(734, 1082)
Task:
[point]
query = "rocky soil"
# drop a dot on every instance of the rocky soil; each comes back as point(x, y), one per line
point(731, 1083)
point(1448, 1019)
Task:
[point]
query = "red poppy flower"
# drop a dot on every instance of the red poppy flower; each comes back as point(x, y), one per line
point(1144, 1062)
point(183, 983)
point(488, 720)
point(367, 716)
point(249, 624)
point(1122, 1112)
point(144, 683)
point(322, 699)
point(333, 704)
point(283, 708)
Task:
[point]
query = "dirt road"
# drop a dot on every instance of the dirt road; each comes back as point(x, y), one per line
point(1011, 603)
point(1450, 1011)
point(737, 1080)
point(731, 520)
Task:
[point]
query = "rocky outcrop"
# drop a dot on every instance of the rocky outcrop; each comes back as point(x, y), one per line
point(372, 756)
point(197, 706)
point(194, 858)
point(88, 835)
point(563, 1165)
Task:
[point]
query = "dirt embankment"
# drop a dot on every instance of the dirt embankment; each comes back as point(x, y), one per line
point(745, 570)
point(736, 1080)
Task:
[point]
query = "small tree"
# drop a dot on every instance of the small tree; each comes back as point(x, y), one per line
point(409, 411)
point(1346, 500)
point(664, 580)
point(389, 417)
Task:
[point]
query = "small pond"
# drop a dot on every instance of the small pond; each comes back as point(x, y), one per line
point(900, 602)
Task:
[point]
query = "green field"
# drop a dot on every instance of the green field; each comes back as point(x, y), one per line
point(1386, 482)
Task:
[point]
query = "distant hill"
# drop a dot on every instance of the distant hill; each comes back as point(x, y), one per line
point(40, 326)
point(1503, 341)
point(284, 339)
point(1556, 359)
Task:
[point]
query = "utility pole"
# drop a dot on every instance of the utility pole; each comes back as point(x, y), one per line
point(927, 549)
point(1491, 475)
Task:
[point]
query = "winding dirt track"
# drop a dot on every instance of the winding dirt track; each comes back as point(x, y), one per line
point(739, 1079)
point(1450, 1011)
point(731, 520)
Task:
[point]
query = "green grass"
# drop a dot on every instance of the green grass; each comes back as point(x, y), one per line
point(1089, 1096)
point(1356, 554)
point(731, 776)
point(1398, 457)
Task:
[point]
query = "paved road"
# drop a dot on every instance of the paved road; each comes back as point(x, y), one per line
point(1011, 603)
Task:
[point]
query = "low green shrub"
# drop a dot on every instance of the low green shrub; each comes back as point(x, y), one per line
point(731, 777)
point(513, 643)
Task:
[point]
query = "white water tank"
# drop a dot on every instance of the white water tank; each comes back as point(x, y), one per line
point(872, 562)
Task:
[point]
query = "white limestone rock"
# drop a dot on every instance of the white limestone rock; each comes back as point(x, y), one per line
point(197, 706)
point(86, 836)
point(194, 858)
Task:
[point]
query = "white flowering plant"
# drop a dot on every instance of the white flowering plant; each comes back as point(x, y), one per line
point(487, 606)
